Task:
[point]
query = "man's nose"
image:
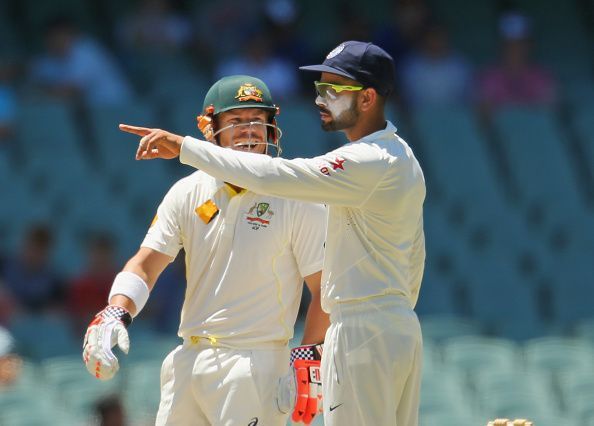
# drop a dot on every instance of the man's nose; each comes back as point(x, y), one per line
point(320, 101)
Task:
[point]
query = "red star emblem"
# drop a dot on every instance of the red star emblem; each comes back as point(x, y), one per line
point(337, 164)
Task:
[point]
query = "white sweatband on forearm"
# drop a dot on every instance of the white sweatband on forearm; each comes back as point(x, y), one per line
point(132, 286)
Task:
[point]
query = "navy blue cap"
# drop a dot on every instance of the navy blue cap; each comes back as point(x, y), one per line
point(364, 62)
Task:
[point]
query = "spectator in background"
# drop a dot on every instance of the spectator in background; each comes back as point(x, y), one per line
point(155, 26)
point(516, 80)
point(10, 362)
point(224, 24)
point(402, 28)
point(434, 74)
point(89, 291)
point(74, 66)
point(354, 25)
point(259, 61)
point(29, 278)
point(8, 104)
point(110, 411)
point(280, 20)
point(8, 306)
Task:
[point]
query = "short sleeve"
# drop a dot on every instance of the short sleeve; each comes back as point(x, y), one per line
point(309, 236)
point(164, 234)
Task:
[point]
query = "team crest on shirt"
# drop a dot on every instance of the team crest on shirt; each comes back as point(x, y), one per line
point(248, 92)
point(259, 215)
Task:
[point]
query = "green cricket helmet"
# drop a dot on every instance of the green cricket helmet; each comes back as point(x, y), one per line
point(243, 91)
point(238, 91)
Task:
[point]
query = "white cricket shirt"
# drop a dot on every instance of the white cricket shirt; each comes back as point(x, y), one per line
point(244, 268)
point(375, 190)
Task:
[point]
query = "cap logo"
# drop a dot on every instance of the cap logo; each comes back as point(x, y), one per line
point(335, 51)
point(249, 92)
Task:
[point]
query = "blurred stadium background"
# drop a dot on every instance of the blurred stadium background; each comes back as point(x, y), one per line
point(496, 97)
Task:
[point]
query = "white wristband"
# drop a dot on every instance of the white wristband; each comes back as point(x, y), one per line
point(132, 286)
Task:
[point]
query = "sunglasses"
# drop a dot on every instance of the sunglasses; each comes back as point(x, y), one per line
point(323, 89)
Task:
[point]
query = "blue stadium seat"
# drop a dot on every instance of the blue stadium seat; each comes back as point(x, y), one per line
point(436, 296)
point(20, 210)
point(585, 329)
point(54, 182)
point(578, 91)
point(514, 404)
point(182, 87)
point(35, 409)
point(68, 251)
point(472, 354)
point(558, 355)
point(445, 245)
point(443, 391)
point(115, 149)
point(143, 387)
point(574, 383)
point(81, 398)
point(431, 357)
point(499, 381)
point(150, 346)
point(549, 177)
point(584, 127)
point(446, 418)
point(439, 328)
point(572, 288)
point(473, 192)
point(500, 298)
point(455, 151)
point(181, 117)
point(140, 184)
point(104, 212)
point(581, 406)
point(73, 387)
point(44, 336)
point(34, 120)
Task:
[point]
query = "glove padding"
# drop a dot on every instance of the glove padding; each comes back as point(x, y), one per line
point(205, 125)
point(301, 389)
point(107, 329)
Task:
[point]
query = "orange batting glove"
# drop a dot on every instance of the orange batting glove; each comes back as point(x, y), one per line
point(301, 389)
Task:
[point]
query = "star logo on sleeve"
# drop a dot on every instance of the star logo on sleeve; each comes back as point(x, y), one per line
point(327, 166)
point(337, 163)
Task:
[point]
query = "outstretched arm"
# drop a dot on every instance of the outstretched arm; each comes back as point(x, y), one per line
point(346, 177)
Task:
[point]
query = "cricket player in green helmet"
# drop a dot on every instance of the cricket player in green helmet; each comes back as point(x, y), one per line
point(247, 256)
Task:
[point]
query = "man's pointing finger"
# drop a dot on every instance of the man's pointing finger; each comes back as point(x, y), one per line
point(140, 131)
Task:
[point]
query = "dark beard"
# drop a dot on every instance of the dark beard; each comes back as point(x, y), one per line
point(346, 120)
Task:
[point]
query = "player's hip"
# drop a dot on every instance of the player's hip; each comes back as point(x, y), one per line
point(243, 379)
point(381, 305)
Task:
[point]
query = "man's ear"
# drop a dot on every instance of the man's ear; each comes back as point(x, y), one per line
point(368, 97)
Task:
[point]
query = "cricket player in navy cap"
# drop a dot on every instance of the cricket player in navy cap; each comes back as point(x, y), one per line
point(375, 246)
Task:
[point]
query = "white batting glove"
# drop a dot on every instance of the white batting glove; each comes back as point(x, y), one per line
point(107, 329)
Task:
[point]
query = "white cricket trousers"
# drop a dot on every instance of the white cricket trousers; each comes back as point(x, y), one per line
point(202, 385)
point(371, 367)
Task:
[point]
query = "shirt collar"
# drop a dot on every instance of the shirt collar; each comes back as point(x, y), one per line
point(385, 133)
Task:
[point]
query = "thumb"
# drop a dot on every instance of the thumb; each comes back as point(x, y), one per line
point(123, 339)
